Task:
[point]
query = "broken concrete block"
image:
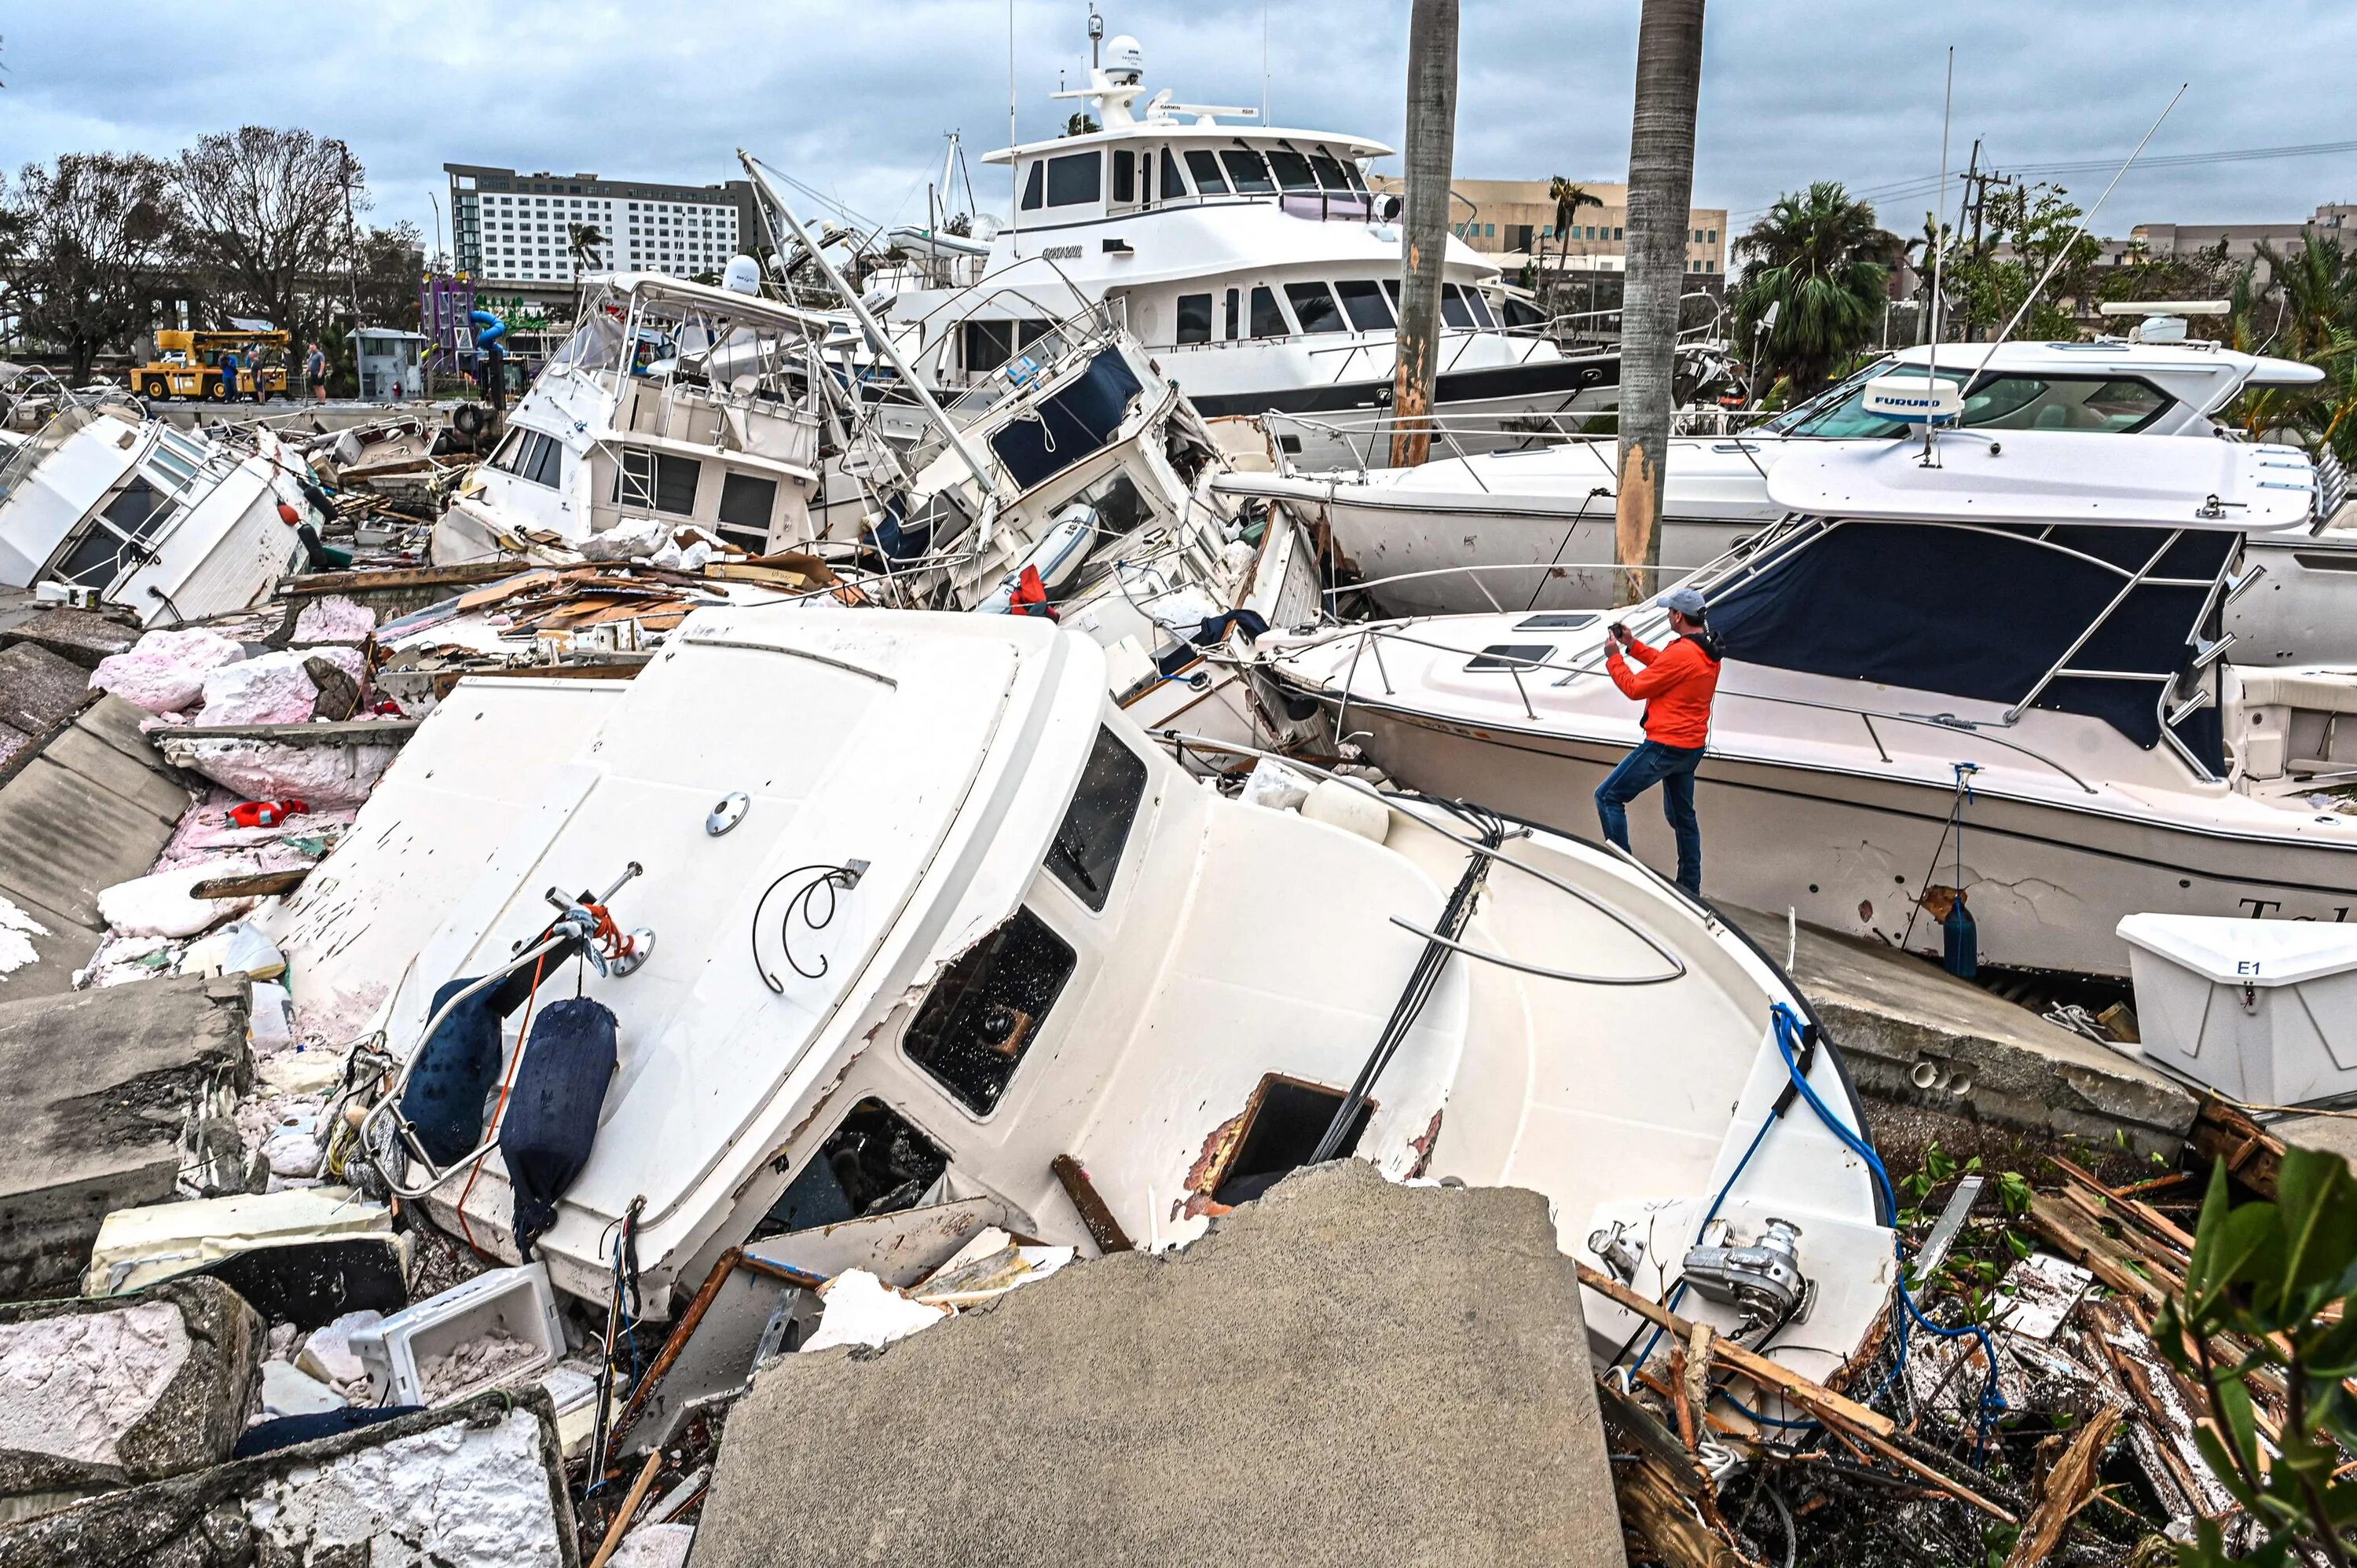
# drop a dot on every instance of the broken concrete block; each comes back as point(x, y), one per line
point(479, 1485)
point(287, 1389)
point(101, 1394)
point(39, 690)
point(328, 1355)
point(78, 636)
point(654, 1546)
point(98, 1127)
point(1345, 1371)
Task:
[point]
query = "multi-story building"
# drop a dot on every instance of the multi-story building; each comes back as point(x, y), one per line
point(514, 232)
point(1514, 219)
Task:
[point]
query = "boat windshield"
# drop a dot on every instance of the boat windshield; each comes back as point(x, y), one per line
point(2103, 405)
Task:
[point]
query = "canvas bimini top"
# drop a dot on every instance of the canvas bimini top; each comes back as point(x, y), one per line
point(2035, 571)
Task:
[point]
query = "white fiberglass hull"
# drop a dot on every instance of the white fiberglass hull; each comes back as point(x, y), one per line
point(1853, 852)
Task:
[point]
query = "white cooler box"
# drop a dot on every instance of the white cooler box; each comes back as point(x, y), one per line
point(2264, 1011)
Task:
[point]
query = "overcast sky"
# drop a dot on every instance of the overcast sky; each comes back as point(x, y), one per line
point(852, 96)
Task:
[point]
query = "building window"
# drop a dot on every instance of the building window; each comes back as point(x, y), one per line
point(1617, 234)
point(1711, 236)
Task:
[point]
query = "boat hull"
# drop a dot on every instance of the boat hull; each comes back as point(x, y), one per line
point(1855, 853)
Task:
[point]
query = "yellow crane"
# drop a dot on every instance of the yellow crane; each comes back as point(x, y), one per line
point(187, 365)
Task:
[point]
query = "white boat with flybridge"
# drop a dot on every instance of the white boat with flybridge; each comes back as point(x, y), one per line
point(1255, 263)
point(952, 931)
point(2001, 673)
point(1533, 530)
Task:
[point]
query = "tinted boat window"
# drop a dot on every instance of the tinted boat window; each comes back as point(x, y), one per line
point(1031, 188)
point(1087, 851)
point(1314, 306)
point(1244, 168)
point(987, 1008)
point(1267, 320)
point(1454, 311)
point(1205, 167)
point(1364, 302)
point(1480, 307)
point(1512, 656)
point(1194, 318)
point(1291, 170)
point(1173, 188)
point(1330, 172)
point(1074, 179)
point(1125, 176)
point(2103, 405)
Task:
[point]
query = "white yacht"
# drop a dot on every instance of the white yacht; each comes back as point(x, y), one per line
point(1534, 530)
point(949, 927)
point(103, 502)
point(671, 399)
point(2024, 638)
point(1254, 264)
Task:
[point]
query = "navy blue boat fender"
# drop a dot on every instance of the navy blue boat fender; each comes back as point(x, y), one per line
point(458, 1065)
point(551, 1119)
point(1960, 940)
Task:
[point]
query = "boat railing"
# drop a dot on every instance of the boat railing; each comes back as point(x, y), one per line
point(1373, 635)
point(1367, 438)
point(1333, 594)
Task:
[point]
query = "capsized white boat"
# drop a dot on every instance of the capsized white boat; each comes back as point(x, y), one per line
point(1533, 530)
point(173, 525)
point(944, 916)
point(2025, 638)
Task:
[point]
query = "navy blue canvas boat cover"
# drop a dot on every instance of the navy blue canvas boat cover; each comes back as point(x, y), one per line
point(1075, 423)
point(1985, 612)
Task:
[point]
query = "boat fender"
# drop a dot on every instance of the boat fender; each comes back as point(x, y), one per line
point(1339, 805)
point(458, 1067)
point(552, 1113)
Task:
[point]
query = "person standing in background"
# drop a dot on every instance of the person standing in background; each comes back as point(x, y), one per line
point(315, 370)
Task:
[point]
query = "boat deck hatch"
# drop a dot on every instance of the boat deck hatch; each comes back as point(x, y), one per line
point(1513, 656)
point(1282, 1127)
point(874, 1163)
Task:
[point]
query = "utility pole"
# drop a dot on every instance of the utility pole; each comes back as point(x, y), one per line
point(1430, 161)
point(1661, 203)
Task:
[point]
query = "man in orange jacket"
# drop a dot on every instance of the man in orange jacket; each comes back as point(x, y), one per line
point(1676, 684)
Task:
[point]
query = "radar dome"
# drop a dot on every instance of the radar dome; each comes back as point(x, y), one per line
point(743, 276)
point(1124, 61)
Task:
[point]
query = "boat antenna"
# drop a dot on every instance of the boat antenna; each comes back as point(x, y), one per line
point(2085, 219)
point(1939, 254)
point(1263, 61)
point(1014, 164)
point(1096, 39)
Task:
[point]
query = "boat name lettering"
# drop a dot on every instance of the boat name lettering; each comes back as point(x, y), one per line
point(1061, 253)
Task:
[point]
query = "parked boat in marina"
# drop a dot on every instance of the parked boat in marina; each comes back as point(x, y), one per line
point(2020, 646)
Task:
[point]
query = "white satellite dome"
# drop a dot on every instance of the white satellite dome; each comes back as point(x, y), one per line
point(1124, 60)
point(743, 276)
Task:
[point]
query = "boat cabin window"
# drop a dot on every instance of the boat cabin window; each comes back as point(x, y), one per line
point(1204, 165)
point(1513, 656)
point(747, 503)
point(1125, 176)
point(1246, 172)
point(1291, 170)
point(1519, 312)
point(1314, 306)
point(1173, 188)
point(1330, 171)
point(1075, 179)
point(1556, 620)
point(986, 1008)
point(1282, 1128)
point(2103, 405)
point(1194, 318)
point(138, 510)
point(874, 1163)
point(1462, 306)
point(1480, 303)
point(1235, 314)
point(1267, 319)
point(1086, 853)
point(1033, 186)
point(1363, 301)
point(531, 457)
point(657, 479)
point(988, 345)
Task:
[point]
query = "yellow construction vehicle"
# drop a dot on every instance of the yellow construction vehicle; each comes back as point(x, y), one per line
point(188, 364)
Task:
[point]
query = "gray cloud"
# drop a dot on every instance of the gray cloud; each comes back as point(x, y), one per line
point(852, 98)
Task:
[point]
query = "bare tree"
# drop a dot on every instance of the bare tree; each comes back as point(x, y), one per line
point(91, 233)
point(266, 214)
point(1424, 233)
point(1660, 202)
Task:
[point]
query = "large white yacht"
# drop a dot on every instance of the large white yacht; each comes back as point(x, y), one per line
point(957, 930)
point(1253, 263)
point(1534, 530)
point(2024, 640)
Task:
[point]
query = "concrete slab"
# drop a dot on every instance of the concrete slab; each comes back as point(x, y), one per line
point(94, 807)
point(39, 690)
point(98, 1085)
point(95, 1395)
point(1345, 1372)
point(479, 1485)
point(1915, 1035)
point(82, 637)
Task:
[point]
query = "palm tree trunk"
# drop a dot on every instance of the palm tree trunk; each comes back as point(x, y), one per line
point(1424, 239)
point(1661, 199)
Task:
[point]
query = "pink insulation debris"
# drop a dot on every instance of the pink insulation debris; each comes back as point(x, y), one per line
point(335, 618)
point(271, 690)
point(164, 671)
point(322, 776)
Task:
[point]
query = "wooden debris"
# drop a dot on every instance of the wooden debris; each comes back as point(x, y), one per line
point(396, 577)
point(1102, 1228)
point(2075, 1236)
point(261, 884)
point(344, 732)
point(2064, 1491)
point(2222, 1131)
point(1662, 1493)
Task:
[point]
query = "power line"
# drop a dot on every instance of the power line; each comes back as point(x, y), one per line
point(1899, 191)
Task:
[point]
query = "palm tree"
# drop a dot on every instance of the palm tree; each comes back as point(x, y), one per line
point(1431, 154)
point(1661, 201)
point(1569, 198)
point(1824, 262)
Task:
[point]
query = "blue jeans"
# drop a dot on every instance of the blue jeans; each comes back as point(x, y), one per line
point(1673, 768)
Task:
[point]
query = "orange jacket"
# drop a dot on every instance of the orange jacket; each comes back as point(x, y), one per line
point(1676, 686)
